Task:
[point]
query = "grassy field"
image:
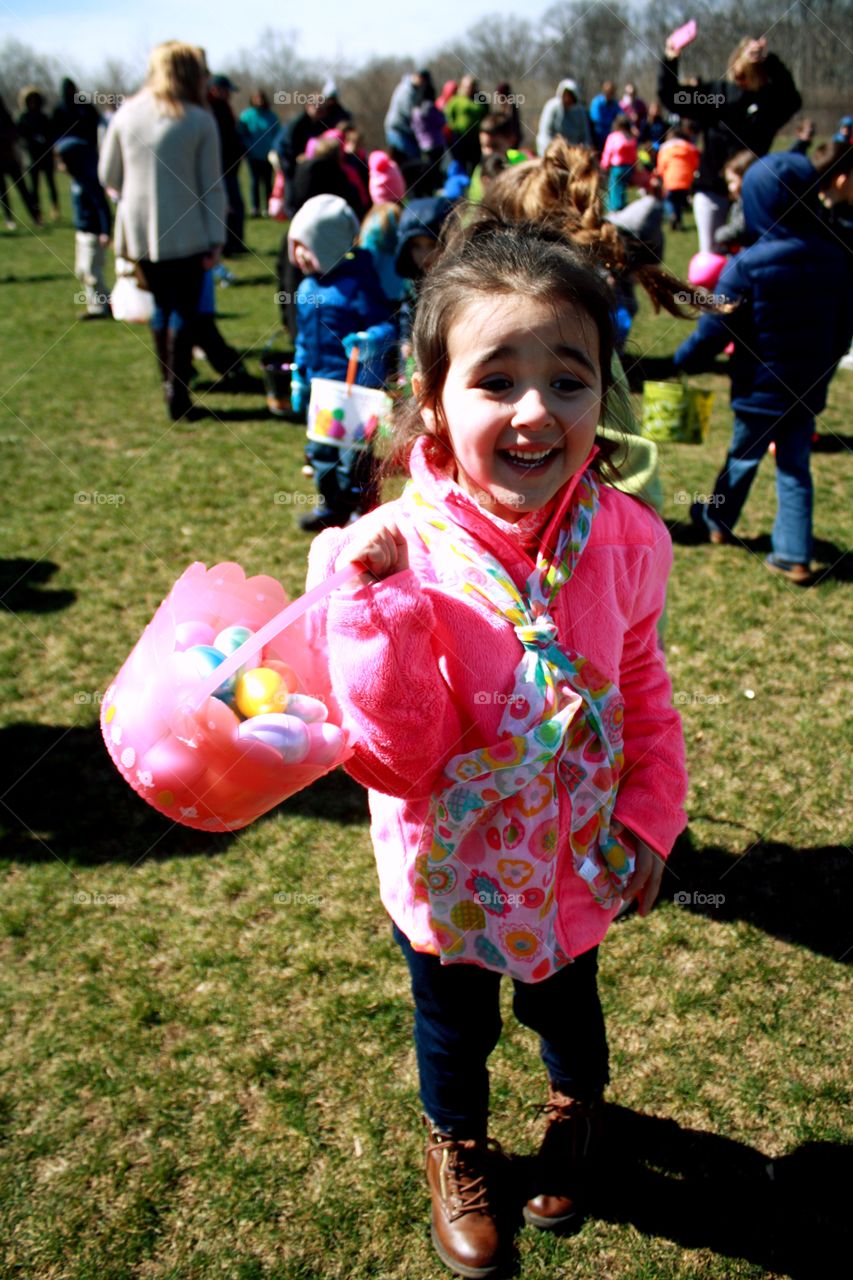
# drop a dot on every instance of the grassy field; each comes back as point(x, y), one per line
point(198, 1080)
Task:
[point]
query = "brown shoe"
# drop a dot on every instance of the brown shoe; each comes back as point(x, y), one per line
point(564, 1160)
point(801, 575)
point(464, 1229)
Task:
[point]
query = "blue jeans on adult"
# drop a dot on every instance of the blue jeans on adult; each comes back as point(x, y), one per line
point(458, 1024)
point(792, 529)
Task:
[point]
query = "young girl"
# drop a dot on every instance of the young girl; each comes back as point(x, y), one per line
point(498, 659)
point(619, 157)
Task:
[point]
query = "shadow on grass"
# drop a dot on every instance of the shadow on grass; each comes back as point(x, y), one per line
point(701, 1190)
point(69, 801)
point(20, 587)
point(836, 563)
point(801, 896)
point(833, 442)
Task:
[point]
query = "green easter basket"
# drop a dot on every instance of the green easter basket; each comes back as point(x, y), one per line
point(676, 413)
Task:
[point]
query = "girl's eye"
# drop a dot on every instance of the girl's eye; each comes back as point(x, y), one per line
point(568, 382)
point(496, 382)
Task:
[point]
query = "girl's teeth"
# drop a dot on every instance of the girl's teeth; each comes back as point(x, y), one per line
point(529, 455)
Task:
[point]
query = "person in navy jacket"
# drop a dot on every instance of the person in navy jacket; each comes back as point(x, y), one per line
point(792, 323)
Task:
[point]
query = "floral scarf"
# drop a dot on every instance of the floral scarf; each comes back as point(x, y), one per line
point(489, 851)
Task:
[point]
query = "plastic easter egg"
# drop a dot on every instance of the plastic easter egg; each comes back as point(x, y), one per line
point(287, 673)
point(705, 268)
point(231, 638)
point(287, 734)
point(173, 766)
point(206, 658)
point(311, 710)
point(260, 692)
point(188, 634)
point(326, 743)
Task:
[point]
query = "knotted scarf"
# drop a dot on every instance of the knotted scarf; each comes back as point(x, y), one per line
point(489, 851)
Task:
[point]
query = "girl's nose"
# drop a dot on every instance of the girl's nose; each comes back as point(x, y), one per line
point(532, 410)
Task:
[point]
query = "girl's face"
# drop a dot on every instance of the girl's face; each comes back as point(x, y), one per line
point(521, 400)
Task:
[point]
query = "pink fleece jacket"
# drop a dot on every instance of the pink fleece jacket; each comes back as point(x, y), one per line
point(423, 675)
point(619, 149)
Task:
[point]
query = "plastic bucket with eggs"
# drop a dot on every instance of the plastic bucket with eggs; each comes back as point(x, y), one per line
point(224, 708)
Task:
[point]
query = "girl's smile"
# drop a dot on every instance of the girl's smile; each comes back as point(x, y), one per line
point(521, 400)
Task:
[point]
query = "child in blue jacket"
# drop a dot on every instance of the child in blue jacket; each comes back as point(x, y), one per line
point(792, 324)
point(339, 305)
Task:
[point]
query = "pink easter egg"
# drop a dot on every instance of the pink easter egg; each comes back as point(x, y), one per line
point(288, 735)
point(327, 742)
point(173, 766)
point(336, 431)
point(191, 633)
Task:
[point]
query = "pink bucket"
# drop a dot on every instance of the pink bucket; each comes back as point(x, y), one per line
point(176, 744)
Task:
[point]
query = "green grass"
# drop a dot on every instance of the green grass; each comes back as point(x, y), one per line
point(197, 1080)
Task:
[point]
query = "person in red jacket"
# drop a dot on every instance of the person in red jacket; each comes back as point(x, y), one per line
point(677, 162)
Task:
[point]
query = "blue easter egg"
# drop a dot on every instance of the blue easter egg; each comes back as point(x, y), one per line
point(206, 658)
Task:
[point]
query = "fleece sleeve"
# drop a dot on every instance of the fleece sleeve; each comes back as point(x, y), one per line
point(653, 785)
point(385, 674)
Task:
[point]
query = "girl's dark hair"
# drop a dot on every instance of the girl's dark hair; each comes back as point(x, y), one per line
point(489, 258)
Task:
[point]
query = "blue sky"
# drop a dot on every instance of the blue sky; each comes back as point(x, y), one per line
point(87, 32)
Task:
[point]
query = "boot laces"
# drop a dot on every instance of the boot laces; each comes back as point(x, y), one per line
point(570, 1123)
point(464, 1170)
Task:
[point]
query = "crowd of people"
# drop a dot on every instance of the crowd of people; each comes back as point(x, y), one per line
point(493, 284)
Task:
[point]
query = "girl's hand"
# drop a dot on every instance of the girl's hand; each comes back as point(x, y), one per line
point(644, 884)
point(380, 549)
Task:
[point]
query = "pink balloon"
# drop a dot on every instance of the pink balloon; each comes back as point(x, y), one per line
point(705, 269)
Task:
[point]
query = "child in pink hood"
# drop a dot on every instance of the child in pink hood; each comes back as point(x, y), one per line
point(498, 661)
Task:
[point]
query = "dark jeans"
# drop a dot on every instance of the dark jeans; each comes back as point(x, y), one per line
point(42, 166)
point(176, 285)
point(346, 479)
point(261, 171)
point(235, 217)
point(458, 1023)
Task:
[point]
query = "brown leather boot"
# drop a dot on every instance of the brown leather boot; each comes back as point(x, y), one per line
point(564, 1160)
point(464, 1228)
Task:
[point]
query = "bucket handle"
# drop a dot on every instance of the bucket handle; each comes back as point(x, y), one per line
point(252, 646)
point(352, 369)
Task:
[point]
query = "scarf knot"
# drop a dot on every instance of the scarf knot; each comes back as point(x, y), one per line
point(538, 634)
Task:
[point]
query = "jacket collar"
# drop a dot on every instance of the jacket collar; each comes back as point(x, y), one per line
point(441, 489)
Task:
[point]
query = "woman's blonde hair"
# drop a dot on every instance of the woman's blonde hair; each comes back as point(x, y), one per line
point(742, 70)
point(176, 75)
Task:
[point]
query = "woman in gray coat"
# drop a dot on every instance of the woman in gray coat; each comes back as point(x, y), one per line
point(161, 158)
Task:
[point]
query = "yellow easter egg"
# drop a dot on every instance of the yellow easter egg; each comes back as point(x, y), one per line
point(260, 691)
